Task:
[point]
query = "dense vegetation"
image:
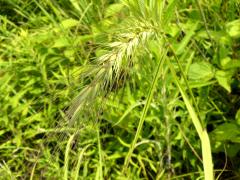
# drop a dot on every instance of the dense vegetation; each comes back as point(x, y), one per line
point(108, 89)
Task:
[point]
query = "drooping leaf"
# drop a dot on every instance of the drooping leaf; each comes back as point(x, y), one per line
point(233, 28)
point(227, 132)
point(61, 42)
point(201, 71)
point(228, 63)
point(224, 79)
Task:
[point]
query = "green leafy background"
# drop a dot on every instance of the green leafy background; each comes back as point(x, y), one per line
point(48, 52)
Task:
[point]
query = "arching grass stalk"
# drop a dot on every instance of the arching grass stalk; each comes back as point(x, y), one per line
point(202, 132)
point(66, 159)
point(145, 109)
point(80, 161)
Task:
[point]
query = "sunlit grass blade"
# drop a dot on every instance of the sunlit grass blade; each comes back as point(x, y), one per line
point(66, 158)
point(206, 147)
point(99, 174)
point(80, 159)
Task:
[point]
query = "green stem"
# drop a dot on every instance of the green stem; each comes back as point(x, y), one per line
point(145, 110)
point(202, 132)
point(100, 165)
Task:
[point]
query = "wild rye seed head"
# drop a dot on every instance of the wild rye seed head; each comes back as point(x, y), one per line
point(107, 70)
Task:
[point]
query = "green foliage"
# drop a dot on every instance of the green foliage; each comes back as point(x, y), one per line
point(126, 89)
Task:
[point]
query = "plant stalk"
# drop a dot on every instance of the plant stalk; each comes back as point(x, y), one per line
point(145, 110)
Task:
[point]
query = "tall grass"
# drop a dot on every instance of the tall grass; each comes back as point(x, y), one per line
point(126, 89)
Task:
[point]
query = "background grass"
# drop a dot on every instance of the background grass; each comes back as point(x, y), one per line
point(77, 77)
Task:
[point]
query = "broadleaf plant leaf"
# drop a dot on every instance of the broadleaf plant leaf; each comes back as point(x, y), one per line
point(201, 71)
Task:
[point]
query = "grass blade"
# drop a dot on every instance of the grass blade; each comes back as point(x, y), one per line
point(145, 110)
point(66, 159)
point(206, 147)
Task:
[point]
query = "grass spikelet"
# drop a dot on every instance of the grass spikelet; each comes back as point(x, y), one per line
point(107, 70)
